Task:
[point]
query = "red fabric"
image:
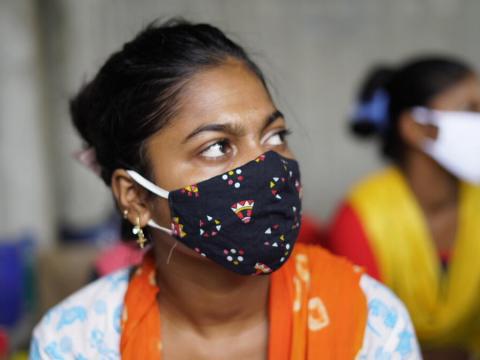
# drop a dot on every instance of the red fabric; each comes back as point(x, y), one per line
point(117, 257)
point(310, 232)
point(445, 255)
point(3, 343)
point(347, 238)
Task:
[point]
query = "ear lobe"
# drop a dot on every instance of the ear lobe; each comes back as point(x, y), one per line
point(130, 196)
point(413, 133)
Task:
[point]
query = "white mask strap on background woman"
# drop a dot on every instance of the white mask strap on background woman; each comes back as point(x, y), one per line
point(457, 147)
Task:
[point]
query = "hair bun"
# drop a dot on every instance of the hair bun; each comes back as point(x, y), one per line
point(371, 111)
point(363, 129)
point(371, 116)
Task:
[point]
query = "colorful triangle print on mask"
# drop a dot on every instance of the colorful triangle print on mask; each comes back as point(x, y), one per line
point(244, 210)
point(249, 228)
point(191, 190)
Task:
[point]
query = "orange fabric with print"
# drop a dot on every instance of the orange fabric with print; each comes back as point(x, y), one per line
point(317, 310)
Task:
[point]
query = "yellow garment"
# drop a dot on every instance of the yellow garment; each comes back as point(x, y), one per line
point(445, 307)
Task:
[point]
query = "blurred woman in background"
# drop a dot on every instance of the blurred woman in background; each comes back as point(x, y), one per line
point(416, 225)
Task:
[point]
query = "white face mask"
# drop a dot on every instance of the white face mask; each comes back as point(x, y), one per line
point(457, 147)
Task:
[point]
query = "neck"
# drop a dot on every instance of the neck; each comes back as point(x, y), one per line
point(197, 293)
point(434, 188)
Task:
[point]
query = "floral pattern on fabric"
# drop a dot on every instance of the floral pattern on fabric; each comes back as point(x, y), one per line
point(389, 328)
point(92, 332)
point(84, 326)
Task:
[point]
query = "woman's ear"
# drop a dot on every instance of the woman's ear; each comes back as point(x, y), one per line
point(413, 133)
point(130, 197)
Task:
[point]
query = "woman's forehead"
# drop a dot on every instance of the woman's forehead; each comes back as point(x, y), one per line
point(460, 94)
point(227, 93)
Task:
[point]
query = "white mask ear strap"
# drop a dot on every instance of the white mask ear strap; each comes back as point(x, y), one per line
point(156, 226)
point(139, 179)
point(424, 116)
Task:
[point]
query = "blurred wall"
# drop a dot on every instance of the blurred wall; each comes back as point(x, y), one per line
point(313, 52)
point(26, 199)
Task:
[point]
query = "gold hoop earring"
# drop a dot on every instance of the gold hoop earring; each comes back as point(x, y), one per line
point(137, 230)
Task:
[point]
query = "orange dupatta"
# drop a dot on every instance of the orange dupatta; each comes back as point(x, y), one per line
point(317, 310)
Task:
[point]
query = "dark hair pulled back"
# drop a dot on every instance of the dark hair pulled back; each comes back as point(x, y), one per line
point(414, 83)
point(137, 91)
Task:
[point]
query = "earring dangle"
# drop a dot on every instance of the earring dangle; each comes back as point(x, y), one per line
point(138, 231)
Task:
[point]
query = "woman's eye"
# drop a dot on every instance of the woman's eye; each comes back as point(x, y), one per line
point(216, 150)
point(278, 138)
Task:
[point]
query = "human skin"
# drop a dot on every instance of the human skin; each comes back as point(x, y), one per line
point(224, 121)
point(436, 190)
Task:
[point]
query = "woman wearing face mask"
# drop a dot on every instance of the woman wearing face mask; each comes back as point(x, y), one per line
point(185, 133)
point(416, 225)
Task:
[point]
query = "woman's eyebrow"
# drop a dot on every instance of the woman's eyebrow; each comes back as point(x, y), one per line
point(229, 128)
point(272, 118)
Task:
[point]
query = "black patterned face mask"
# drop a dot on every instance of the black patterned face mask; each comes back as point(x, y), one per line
point(246, 220)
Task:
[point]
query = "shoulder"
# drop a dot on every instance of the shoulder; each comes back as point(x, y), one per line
point(375, 182)
point(348, 237)
point(471, 190)
point(311, 231)
point(84, 325)
point(319, 258)
point(389, 331)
